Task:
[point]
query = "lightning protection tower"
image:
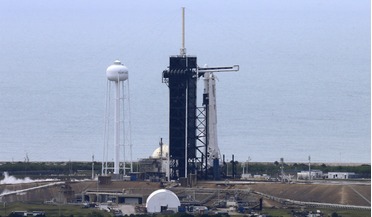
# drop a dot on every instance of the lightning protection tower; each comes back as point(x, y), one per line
point(117, 74)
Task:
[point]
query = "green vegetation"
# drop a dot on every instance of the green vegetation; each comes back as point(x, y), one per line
point(326, 212)
point(273, 169)
point(349, 213)
point(53, 210)
point(77, 211)
point(58, 167)
point(42, 169)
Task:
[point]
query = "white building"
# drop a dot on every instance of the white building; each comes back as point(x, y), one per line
point(340, 175)
point(314, 174)
point(246, 176)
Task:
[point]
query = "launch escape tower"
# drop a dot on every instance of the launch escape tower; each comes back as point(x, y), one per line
point(193, 147)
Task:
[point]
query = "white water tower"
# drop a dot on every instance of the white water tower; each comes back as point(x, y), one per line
point(115, 118)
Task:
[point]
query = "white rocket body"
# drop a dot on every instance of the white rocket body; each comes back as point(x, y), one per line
point(210, 90)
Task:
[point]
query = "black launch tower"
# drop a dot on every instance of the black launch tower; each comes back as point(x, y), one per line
point(181, 78)
point(188, 124)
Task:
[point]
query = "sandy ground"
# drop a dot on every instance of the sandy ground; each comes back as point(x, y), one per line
point(347, 193)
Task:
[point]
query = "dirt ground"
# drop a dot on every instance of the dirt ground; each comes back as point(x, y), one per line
point(343, 193)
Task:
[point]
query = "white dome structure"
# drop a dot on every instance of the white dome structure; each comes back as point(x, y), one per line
point(157, 153)
point(160, 199)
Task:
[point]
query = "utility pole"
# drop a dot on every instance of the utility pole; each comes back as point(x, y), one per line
point(249, 158)
point(309, 167)
point(92, 167)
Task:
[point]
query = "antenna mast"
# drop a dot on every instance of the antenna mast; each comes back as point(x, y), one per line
point(183, 49)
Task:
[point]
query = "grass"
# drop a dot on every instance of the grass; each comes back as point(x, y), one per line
point(350, 213)
point(77, 211)
point(50, 210)
point(327, 212)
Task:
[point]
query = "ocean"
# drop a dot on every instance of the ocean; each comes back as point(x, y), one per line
point(303, 89)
